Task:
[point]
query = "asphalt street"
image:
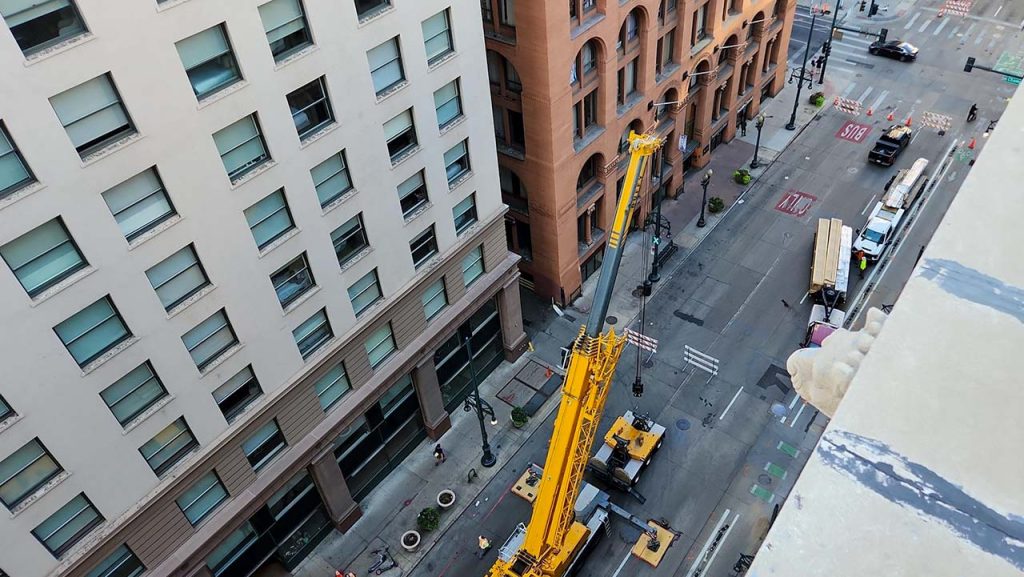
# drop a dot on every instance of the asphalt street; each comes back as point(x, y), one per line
point(736, 441)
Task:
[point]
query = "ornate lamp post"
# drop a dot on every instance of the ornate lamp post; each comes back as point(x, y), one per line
point(704, 199)
point(487, 459)
point(816, 10)
point(759, 124)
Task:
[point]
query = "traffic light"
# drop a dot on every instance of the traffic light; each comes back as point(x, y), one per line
point(828, 49)
point(883, 34)
point(874, 10)
point(863, 5)
point(970, 64)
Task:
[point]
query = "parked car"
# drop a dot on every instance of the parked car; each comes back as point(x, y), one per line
point(895, 49)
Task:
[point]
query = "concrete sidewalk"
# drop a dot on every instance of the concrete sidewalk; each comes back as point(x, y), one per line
point(391, 508)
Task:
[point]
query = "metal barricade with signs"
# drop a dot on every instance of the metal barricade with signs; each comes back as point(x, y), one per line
point(940, 122)
point(847, 105)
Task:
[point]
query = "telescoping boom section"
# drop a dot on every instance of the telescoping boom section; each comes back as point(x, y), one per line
point(554, 537)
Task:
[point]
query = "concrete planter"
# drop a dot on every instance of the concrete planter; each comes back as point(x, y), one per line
point(446, 498)
point(410, 540)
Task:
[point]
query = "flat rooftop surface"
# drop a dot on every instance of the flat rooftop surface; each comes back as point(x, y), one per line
point(921, 472)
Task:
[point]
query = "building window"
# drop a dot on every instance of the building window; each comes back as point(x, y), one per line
point(448, 103)
point(14, 171)
point(237, 393)
point(367, 8)
point(585, 114)
point(286, 27)
point(121, 563)
point(139, 204)
point(92, 114)
point(208, 60)
point(400, 133)
point(169, 446)
point(230, 548)
point(331, 178)
point(178, 277)
point(264, 444)
point(423, 247)
point(380, 345)
point(586, 62)
point(269, 219)
point(699, 29)
point(456, 161)
point(588, 173)
point(464, 213)
point(364, 292)
point(93, 331)
point(6, 411)
point(133, 393)
point(43, 257)
point(202, 498)
point(412, 194)
point(435, 298)
point(473, 266)
point(311, 110)
point(437, 36)
point(386, 66)
point(312, 334)
point(331, 387)
point(292, 280)
point(241, 146)
point(665, 51)
point(627, 81)
point(349, 239)
point(68, 525)
point(507, 12)
point(25, 471)
point(39, 25)
point(209, 339)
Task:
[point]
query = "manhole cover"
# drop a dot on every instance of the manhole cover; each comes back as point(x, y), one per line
point(852, 170)
point(611, 319)
point(764, 479)
point(683, 425)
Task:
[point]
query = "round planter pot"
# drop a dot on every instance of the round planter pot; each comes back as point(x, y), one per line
point(519, 424)
point(446, 498)
point(410, 540)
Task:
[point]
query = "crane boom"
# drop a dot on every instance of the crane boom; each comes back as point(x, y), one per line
point(554, 537)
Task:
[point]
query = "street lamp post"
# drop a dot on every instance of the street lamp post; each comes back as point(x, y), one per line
point(758, 124)
point(815, 10)
point(487, 459)
point(704, 199)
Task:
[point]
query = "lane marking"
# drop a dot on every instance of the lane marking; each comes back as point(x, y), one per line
point(797, 417)
point(776, 471)
point(879, 100)
point(707, 543)
point(998, 10)
point(788, 449)
point(941, 26)
point(871, 202)
point(804, 298)
point(623, 564)
point(913, 138)
point(923, 26)
point(864, 96)
point(793, 402)
point(912, 20)
point(729, 406)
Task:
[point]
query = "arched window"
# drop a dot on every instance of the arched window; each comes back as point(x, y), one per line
point(502, 73)
point(629, 33)
point(585, 63)
point(660, 112)
point(588, 173)
point(667, 11)
point(635, 126)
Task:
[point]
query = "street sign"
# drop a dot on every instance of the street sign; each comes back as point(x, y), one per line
point(853, 131)
point(1011, 80)
point(795, 203)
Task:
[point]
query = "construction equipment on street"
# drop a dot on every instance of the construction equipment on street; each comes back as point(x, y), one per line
point(830, 263)
point(629, 445)
point(888, 213)
point(570, 515)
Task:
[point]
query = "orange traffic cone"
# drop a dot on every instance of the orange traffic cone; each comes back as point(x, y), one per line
point(971, 144)
point(547, 373)
point(869, 111)
point(889, 118)
point(908, 121)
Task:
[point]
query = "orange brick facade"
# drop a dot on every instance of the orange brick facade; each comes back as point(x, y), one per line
point(570, 78)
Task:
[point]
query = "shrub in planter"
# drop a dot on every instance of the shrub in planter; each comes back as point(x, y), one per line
point(715, 204)
point(519, 417)
point(741, 176)
point(815, 97)
point(428, 519)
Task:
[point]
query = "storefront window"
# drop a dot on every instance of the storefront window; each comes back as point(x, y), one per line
point(452, 359)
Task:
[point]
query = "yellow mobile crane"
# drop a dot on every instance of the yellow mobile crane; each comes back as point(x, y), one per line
point(559, 527)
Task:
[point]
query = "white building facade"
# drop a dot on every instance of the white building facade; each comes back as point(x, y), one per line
point(250, 250)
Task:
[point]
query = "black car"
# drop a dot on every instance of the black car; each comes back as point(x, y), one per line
point(895, 49)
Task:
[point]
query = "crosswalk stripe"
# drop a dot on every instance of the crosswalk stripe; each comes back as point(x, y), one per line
point(981, 35)
point(849, 40)
point(849, 89)
point(953, 33)
point(879, 100)
point(941, 26)
point(864, 96)
point(847, 70)
point(912, 20)
point(925, 25)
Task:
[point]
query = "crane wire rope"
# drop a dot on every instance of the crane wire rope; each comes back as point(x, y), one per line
point(645, 286)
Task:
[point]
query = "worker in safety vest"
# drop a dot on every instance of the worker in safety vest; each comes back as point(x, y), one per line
point(485, 545)
point(863, 265)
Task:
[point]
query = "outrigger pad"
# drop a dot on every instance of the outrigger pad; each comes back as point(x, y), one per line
point(642, 549)
point(524, 488)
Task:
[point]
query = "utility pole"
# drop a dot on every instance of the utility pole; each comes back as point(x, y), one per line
point(704, 181)
point(828, 43)
point(487, 459)
point(815, 10)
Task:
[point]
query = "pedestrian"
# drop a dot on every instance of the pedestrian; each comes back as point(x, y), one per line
point(863, 264)
point(439, 456)
point(743, 126)
point(484, 544)
point(973, 113)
